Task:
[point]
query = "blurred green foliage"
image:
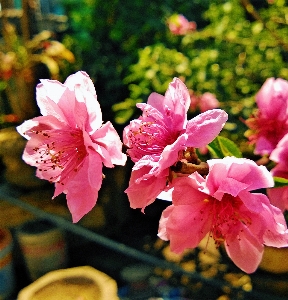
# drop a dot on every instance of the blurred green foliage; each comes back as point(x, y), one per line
point(107, 36)
point(242, 45)
point(128, 51)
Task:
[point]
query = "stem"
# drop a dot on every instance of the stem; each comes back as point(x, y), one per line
point(25, 26)
point(263, 161)
point(189, 168)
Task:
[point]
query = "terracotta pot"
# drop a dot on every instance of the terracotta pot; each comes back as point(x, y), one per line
point(43, 247)
point(70, 284)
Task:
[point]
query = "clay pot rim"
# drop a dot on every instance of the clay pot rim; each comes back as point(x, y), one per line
point(106, 284)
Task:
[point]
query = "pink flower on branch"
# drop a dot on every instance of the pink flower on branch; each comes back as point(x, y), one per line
point(69, 144)
point(279, 196)
point(157, 138)
point(270, 123)
point(224, 206)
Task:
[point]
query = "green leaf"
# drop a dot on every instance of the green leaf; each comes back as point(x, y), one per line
point(280, 182)
point(214, 149)
point(222, 146)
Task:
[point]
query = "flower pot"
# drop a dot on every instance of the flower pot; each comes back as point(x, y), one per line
point(73, 283)
point(7, 279)
point(43, 247)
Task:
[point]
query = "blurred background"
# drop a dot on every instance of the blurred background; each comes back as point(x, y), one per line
point(129, 50)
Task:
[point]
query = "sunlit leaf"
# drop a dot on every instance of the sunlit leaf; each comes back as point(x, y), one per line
point(222, 146)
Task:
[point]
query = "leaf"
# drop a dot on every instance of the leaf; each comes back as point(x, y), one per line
point(280, 182)
point(222, 146)
point(214, 149)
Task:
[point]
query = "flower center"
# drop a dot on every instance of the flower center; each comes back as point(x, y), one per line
point(58, 153)
point(149, 138)
point(226, 217)
point(263, 127)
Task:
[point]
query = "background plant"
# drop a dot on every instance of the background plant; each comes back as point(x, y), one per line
point(241, 44)
point(110, 36)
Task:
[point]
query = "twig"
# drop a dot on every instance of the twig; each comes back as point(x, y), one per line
point(253, 12)
point(189, 168)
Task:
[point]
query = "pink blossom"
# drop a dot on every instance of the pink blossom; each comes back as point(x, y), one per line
point(270, 123)
point(203, 102)
point(208, 101)
point(157, 137)
point(179, 25)
point(279, 196)
point(223, 205)
point(69, 144)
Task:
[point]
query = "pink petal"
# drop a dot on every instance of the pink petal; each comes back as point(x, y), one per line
point(54, 99)
point(175, 104)
point(81, 78)
point(253, 201)
point(186, 190)
point(49, 105)
point(87, 111)
point(169, 156)
point(272, 98)
point(208, 101)
point(247, 171)
point(279, 197)
point(229, 186)
point(186, 227)
point(242, 170)
point(39, 123)
point(276, 234)
point(205, 127)
point(142, 192)
point(28, 129)
point(162, 231)
point(108, 138)
point(82, 191)
point(280, 153)
point(245, 252)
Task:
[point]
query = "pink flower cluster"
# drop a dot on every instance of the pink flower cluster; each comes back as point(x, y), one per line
point(221, 204)
point(179, 25)
point(69, 145)
point(159, 135)
point(269, 132)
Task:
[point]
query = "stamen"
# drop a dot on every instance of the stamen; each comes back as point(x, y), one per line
point(60, 153)
point(225, 213)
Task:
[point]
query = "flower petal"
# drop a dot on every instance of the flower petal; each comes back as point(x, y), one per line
point(272, 98)
point(205, 127)
point(242, 170)
point(82, 191)
point(108, 138)
point(181, 220)
point(142, 191)
point(174, 105)
point(87, 112)
point(246, 252)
